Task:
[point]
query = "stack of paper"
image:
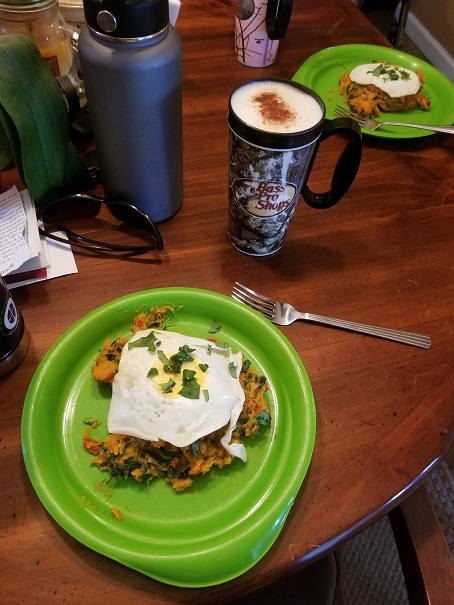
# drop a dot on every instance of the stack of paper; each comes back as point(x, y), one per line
point(25, 255)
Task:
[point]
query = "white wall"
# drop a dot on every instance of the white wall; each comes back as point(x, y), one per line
point(430, 26)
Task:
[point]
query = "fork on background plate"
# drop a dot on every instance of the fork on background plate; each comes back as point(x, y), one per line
point(284, 314)
point(369, 124)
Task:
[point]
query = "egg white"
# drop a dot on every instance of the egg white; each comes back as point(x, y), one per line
point(362, 74)
point(139, 406)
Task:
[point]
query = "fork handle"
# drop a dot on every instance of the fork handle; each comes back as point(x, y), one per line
point(449, 129)
point(410, 338)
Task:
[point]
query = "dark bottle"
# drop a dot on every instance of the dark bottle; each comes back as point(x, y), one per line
point(14, 338)
point(130, 59)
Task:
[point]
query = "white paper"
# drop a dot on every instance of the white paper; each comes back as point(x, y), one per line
point(174, 9)
point(42, 261)
point(62, 262)
point(14, 249)
point(31, 229)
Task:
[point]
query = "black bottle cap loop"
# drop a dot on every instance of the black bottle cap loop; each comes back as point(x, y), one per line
point(278, 15)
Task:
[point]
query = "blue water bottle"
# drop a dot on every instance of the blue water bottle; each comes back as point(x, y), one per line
point(130, 58)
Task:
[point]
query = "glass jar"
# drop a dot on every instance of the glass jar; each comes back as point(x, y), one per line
point(41, 21)
point(73, 12)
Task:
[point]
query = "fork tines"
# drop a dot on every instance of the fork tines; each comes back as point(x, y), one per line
point(253, 299)
point(342, 112)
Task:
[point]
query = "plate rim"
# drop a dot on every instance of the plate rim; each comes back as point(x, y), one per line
point(54, 507)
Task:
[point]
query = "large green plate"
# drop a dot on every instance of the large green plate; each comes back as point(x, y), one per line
point(322, 70)
point(229, 518)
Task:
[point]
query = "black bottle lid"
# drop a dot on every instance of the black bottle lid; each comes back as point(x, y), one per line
point(127, 18)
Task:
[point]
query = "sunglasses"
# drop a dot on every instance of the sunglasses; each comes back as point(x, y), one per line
point(72, 208)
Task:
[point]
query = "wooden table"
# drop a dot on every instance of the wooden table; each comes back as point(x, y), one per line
point(384, 255)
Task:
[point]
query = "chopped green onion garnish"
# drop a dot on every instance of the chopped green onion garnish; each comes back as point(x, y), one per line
point(393, 73)
point(222, 345)
point(167, 387)
point(215, 327)
point(169, 319)
point(190, 388)
point(232, 369)
point(176, 361)
point(262, 418)
point(150, 341)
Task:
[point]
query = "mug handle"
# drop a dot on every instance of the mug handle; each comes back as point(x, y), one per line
point(278, 13)
point(347, 165)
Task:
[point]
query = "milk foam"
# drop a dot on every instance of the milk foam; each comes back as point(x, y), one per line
point(276, 107)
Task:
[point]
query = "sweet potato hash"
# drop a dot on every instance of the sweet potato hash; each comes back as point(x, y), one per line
point(368, 100)
point(124, 456)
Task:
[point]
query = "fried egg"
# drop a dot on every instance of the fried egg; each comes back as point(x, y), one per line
point(394, 80)
point(177, 388)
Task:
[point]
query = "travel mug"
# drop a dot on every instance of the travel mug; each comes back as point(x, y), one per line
point(276, 127)
point(259, 25)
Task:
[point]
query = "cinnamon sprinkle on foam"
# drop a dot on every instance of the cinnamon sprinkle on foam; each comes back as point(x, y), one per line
point(273, 108)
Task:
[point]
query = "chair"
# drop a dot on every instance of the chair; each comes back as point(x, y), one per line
point(317, 584)
point(382, 14)
point(398, 28)
point(425, 557)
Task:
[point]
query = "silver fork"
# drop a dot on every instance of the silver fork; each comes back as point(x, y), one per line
point(368, 124)
point(284, 314)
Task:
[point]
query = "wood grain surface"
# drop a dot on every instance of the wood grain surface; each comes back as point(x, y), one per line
point(384, 255)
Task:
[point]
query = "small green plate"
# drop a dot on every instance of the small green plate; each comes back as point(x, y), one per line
point(322, 70)
point(229, 518)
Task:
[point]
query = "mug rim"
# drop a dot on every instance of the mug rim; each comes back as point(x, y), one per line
point(276, 140)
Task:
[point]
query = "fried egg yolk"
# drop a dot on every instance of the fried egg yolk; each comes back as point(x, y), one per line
point(154, 396)
point(392, 79)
